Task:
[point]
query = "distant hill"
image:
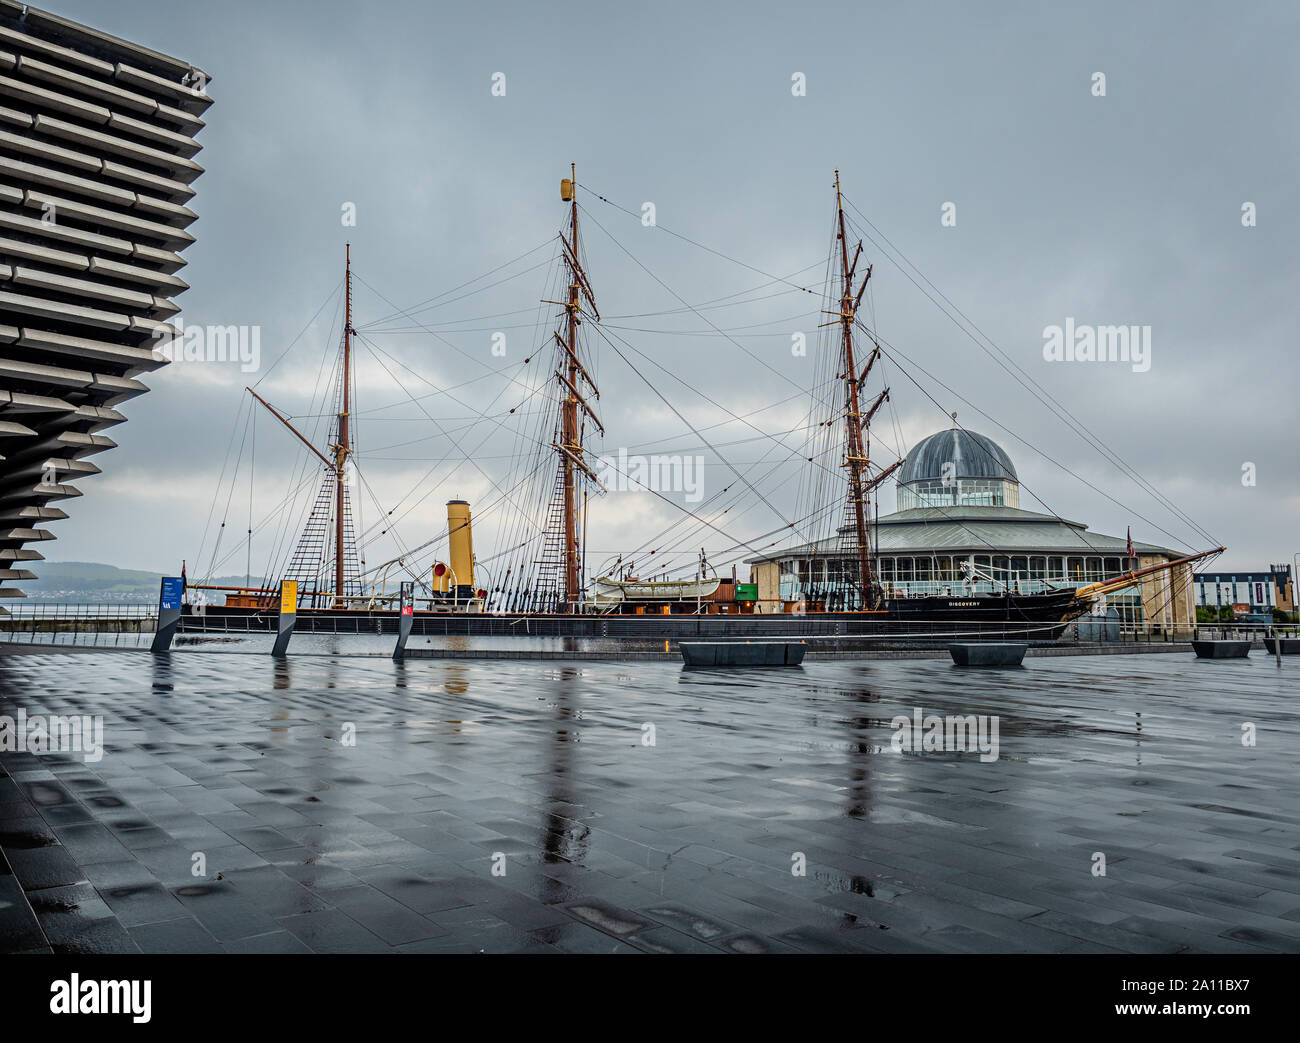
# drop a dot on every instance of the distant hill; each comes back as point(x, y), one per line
point(88, 581)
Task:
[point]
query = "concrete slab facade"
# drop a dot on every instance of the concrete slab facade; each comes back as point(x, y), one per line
point(97, 147)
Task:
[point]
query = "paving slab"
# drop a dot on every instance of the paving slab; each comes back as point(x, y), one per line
point(517, 806)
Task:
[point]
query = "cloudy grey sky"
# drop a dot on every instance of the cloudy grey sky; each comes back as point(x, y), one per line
point(1122, 209)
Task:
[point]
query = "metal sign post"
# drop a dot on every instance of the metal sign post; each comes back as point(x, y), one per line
point(405, 620)
point(288, 615)
point(170, 596)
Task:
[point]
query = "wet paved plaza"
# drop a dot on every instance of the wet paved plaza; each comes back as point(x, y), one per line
point(337, 804)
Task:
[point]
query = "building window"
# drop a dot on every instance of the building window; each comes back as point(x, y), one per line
point(962, 492)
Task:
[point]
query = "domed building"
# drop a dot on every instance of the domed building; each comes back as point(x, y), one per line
point(959, 469)
point(959, 517)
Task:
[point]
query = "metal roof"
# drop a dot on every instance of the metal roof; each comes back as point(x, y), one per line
point(977, 530)
point(972, 455)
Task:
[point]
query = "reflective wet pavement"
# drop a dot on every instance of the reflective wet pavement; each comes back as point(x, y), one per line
point(507, 806)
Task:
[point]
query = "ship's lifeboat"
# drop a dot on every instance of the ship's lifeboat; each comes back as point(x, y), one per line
point(618, 591)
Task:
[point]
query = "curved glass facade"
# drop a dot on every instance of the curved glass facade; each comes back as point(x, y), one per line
point(917, 574)
point(958, 492)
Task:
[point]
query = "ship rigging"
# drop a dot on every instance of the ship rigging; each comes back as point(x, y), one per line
point(542, 508)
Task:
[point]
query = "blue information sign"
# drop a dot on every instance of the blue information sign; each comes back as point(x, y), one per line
point(172, 590)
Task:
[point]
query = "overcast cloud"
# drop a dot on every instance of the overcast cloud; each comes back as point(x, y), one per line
point(1122, 209)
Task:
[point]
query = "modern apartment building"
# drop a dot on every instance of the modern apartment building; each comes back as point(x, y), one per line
point(1251, 591)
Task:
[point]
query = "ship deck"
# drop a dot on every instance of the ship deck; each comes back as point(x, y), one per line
point(609, 844)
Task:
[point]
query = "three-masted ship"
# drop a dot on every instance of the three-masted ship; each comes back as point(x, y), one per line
point(549, 593)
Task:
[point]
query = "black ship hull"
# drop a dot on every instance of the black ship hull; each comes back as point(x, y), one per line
point(1054, 605)
point(1034, 617)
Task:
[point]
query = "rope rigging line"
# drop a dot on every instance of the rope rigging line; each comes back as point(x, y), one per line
point(526, 491)
point(469, 282)
point(433, 333)
point(377, 328)
point(376, 351)
point(694, 431)
point(275, 514)
point(1130, 472)
point(234, 477)
point(1022, 377)
point(636, 260)
point(777, 443)
point(700, 246)
point(216, 491)
point(252, 485)
point(720, 332)
point(986, 416)
point(714, 303)
point(305, 474)
point(479, 512)
point(607, 336)
point(279, 358)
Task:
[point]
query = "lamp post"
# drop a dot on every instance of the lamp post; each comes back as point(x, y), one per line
point(699, 580)
point(1295, 608)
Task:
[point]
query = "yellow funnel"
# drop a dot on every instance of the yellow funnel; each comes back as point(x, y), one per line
point(461, 543)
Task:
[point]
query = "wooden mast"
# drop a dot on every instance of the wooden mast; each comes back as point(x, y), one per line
point(568, 446)
point(342, 449)
point(857, 447)
point(569, 432)
point(1092, 590)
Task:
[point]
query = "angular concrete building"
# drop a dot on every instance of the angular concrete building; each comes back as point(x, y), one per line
point(96, 177)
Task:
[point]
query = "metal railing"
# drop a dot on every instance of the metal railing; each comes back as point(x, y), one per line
point(49, 617)
point(1240, 631)
point(31, 609)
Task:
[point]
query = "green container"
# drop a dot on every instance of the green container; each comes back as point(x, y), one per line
point(746, 591)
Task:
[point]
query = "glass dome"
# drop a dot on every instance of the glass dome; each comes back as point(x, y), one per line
point(957, 468)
